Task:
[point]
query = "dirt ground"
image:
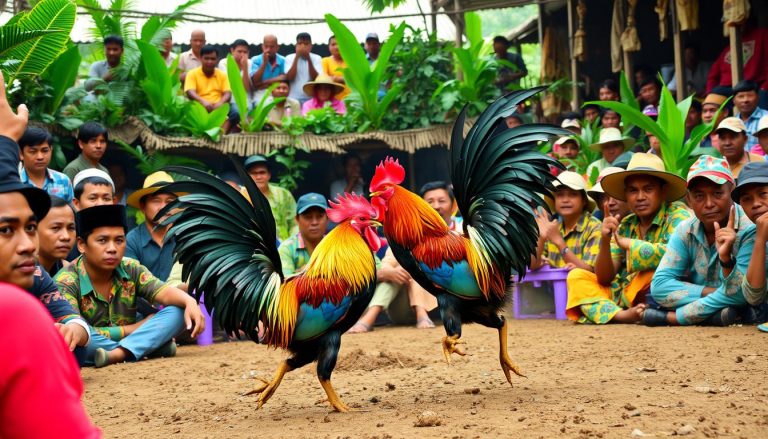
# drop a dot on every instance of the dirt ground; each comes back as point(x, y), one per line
point(582, 381)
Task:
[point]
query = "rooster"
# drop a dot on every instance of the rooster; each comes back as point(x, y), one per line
point(497, 176)
point(227, 248)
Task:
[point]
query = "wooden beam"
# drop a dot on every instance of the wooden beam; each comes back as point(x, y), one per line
point(737, 56)
point(678, 49)
point(433, 8)
point(574, 65)
point(459, 22)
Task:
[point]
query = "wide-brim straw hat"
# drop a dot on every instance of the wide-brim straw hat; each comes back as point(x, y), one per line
point(597, 190)
point(644, 164)
point(309, 87)
point(611, 135)
point(153, 183)
point(573, 181)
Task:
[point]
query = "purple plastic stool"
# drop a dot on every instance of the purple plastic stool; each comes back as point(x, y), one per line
point(545, 274)
point(206, 337)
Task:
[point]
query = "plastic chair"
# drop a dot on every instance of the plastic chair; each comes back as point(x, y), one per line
point(537, 278)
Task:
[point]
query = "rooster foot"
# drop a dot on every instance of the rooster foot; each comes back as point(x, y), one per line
point(333, 398)
point(450, 346)
point(507, 365)
point(267, 388)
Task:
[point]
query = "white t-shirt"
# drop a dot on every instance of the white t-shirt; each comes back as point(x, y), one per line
point(302, 75)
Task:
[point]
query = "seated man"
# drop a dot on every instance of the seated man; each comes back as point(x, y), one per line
point(394, 279)
point(611, 145)
point(571, 239)
point(696, 281)
point(102, 274)
point(36, 152)
point(353, 177)
point(312, 221)
point(146, 243)
point(752, 193)
point(93, 187)
point(607, 204)
point(288, 108)
point(630, 249)
point(209, 86)
point(56, 233)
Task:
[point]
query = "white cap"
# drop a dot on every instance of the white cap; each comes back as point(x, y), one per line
point(762, 124)
point(92, 172)
point(570, 123)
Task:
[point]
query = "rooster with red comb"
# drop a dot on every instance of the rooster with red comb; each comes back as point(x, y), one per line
point(228, 249)
point(497, 174)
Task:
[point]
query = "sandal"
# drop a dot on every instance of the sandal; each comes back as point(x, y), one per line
point(360, 328)
point(654, 317)
point(426, 322)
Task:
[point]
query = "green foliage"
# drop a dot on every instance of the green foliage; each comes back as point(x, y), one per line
point(294, 168)
point(61, 75)
point(150, 162)
point(34, 39)
point(159, 27)
point(380, 5)
point(255, 119)
point(626, 94)
point(363, 78)
point(320, 121)
point(419, 65)
point(203, 124)
point(162, 90)
point(478, 69)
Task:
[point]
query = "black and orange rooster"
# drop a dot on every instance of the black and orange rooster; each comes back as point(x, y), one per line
point(497, 174)
point(228, 251)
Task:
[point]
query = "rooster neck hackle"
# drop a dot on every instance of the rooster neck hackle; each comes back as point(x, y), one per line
point(412, 219)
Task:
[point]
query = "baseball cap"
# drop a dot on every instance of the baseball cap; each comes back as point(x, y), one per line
point(307, 201)
point(715, 169)
point(732, 124)
point(372, 36)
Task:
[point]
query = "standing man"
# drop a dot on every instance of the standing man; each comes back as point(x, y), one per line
point(239, 51)
point(104, 70)
point(280, 200)
point(210, 87)
point(508, 75)
point(267, 68)
point(92, 139)
point(372, 47)
point(312, 221)
point(146, 243)
point(192, 58)
point(36, 154)
point(303, 66)
point(167, 51)
point(732, 135)
point(745, 100)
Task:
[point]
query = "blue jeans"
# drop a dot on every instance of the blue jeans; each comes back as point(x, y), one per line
point(157, 331)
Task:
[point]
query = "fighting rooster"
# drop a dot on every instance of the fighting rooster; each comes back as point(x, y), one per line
point(497, 174)
point(227, 248)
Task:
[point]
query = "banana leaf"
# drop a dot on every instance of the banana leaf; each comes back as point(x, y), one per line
point(259, 115)
point(61, 75)
point(159, 27)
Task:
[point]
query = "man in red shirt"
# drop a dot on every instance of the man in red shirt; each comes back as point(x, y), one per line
point(754, 43)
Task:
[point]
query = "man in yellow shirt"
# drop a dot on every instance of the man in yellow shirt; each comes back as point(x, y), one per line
point(210, 86)
point(332, 66)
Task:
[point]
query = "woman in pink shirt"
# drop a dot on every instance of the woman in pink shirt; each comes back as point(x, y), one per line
point(322, 90)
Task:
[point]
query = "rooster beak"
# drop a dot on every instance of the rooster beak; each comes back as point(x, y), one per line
point(375, 194)
point(375, 223)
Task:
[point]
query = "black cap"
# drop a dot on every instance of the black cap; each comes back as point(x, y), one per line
point(751, 173)
point(38, 199)
point(108, 215)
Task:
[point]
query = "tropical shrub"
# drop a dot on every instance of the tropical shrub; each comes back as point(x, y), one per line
point(255, 119)
point(162, 89)
point(363, 78)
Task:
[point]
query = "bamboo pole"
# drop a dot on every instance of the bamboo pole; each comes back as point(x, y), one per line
point(574, 65)
point(737, 56)
point(678, 48)
point(459, 22)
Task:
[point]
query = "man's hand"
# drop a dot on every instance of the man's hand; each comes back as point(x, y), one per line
point(13, 124)
point(762, 227)
point(726, 237)
point(208, 106)
point(393, 274)
point(74, 335)
point(621, 241)
point(193, 314)
point(610, 225)
point(302, 51)
point(548, 229)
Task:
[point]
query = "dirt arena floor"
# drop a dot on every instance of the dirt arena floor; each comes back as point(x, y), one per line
point(582, 382)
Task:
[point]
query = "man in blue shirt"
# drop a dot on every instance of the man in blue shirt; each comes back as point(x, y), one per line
point(146, 243)
point(36, 151)
point(267, 68)
point(745, 100)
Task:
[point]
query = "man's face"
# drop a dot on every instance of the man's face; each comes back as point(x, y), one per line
point(113, 51)
point(708, 112)
point(260, 175)
point(94, 195)
point(590, 114)
point(373, 47)
point(209, 62)
point(18, 240)
point(653, 141)
point(754, 200)
point(644, 195)
point(569, 202)
point(441, 202)
point(649, 93)
point(710, 202)
point(606, 94)
point(745, 101)
point(95, 148)
point(353, 168)
point(197, 41)
point(168, 44)
point(610, 120)
point(36, 157)
point(312, 224)
point(500, 48)
point(303, 46)
point(732, 145)
point(153, 204)
point(57, 233)
point(569, 150)
point(692, 119)
point(239, 53)
point(512, 122)
point(104, 248)
point(333, 48)
point(615, 207)
point(270, 47)
point(612, 151)
point(323, 92)
point(281, 90)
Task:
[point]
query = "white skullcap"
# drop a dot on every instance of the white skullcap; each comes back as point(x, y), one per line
point(92, 172)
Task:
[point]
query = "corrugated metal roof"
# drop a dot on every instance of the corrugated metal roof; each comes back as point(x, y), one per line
point(224, 32)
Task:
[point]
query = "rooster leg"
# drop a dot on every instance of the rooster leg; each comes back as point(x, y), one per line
point(267, 388)
point(326, 361)
point(451, 316)
point(450, 343)
point(507, 364)
point(333, 398)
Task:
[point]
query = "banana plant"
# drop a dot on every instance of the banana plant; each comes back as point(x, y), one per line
point(159, 27)
point(201, 123)
point(161, 86)
point(677, 153)
point(255, 119)
point(61, 75)
point(363, 78)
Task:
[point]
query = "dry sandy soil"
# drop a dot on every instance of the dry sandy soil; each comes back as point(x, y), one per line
point(583, 381)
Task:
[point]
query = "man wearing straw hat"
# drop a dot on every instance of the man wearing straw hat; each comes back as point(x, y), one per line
point(697, 280)
point(611, 145)
point(630, 249)
point(607, 204)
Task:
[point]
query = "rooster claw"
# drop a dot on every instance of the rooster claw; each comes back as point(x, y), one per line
point(507, 365)
point(450, 347)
